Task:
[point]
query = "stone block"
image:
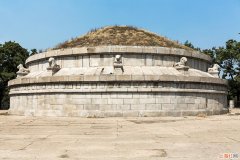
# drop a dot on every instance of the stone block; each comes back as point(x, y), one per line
point(134, 49)
point(138, 77)
point(147, 101)
point(107, 78)
point(181, 106)
point(113, 114)
point(77, 51)
point(192, 106)
point(151, 77)
point(75, 78)
point(133, 60)
point(132, 90)
point(85, 61)
point(202, 106)
point(131, 101)
point(163, 100)
point(105, 107)
point(153, 107)
point(106, 60)
point(100, 101)
point(93, 95)
point(123, 77)
point(124, 95)
point(189, 113)
point(77, 96)
point(168, 107)
point(124, 106)
point(81, 101)
point(66, 51)
point(152, 114)
point(149, 49)
point(91, 107)
point(135, 95)
point(115, 101)
point(137, 106)
point(91, 78)
point(94, 60)
point(143, 95)
point(130, 113)
point(69, 62)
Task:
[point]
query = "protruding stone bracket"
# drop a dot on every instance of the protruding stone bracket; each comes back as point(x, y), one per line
point(214, 71)
point(22, 71)
point(183, 69)
point(181, 66)
point(118, 63)
point(53, 66)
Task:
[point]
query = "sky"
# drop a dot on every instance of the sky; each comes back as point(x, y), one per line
point(42, 24)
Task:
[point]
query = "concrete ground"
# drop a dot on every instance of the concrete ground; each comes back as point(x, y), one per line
point(176, 138)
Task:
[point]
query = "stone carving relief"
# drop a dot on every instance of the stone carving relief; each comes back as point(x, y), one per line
point(118, 62)
point(22, 71)
point(181, 63)
point(181, 66)
point(53, 65)
point(215, 68)
point(214, 71)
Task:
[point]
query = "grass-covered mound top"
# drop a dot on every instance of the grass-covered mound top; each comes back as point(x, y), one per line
point(120, 35)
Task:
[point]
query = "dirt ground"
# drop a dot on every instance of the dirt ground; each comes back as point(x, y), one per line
point(177, 138)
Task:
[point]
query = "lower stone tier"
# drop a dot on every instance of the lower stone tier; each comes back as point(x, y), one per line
point(115, 104)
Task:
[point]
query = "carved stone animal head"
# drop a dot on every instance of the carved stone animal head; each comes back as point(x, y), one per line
point(51, 62)
point(20, 66)
point(216, 67)
point(118, 58)
point(183, 61)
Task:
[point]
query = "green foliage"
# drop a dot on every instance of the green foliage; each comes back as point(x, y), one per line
point(228, 58)
point(190, 45)
point(11, 55)
point(33, 51)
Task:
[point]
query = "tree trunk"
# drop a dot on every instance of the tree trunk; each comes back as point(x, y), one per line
point(238, 96)
point(1, 98)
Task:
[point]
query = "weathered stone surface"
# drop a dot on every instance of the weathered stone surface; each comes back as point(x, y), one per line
point(118, 81)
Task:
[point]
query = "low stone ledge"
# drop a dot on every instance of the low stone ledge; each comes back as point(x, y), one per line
point(114, 90)
point(102, 114)
point(116, 78)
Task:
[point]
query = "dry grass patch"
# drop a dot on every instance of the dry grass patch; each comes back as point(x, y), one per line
point(120, 35)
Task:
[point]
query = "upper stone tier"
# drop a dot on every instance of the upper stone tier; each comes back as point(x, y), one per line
point(136, 47)
point(131, 56)
point(120, 35)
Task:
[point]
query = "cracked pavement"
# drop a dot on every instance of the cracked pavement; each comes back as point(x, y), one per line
point(177, 138)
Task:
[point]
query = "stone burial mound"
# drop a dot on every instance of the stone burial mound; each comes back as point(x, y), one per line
point(118, 71)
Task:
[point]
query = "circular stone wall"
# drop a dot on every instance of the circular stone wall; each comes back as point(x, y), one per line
point(94, 82)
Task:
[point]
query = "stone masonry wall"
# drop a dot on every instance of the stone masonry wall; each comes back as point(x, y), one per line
point(128, 60)
point(88, 100)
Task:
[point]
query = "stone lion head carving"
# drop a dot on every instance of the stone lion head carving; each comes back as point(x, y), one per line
point(51, 62)
point(215, 68)
point(118, 58)
point(181, 63)
point(22, 69)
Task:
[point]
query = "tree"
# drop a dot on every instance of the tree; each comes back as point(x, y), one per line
point(190, 45)
point(11, 55)
point(228, 58)
point(33, 51)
